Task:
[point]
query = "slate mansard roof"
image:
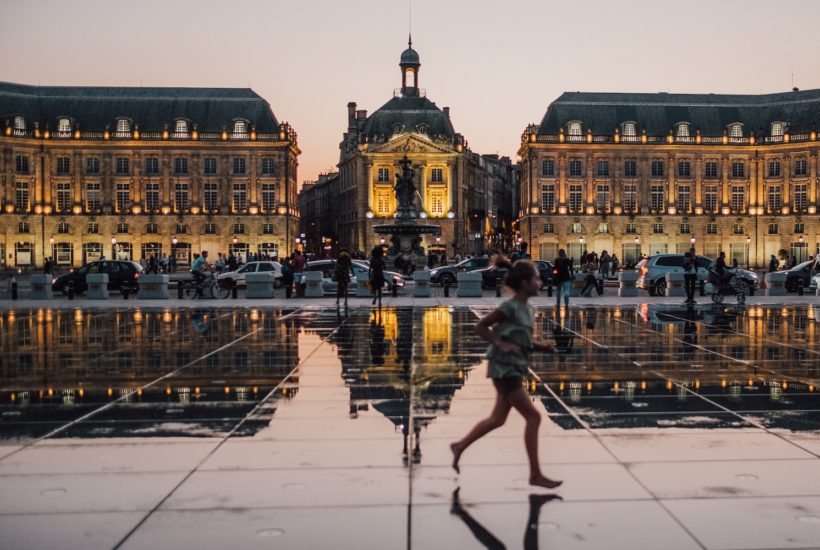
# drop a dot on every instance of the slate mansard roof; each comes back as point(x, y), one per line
point(408, 114)
point(95, 108)
point(712, 113)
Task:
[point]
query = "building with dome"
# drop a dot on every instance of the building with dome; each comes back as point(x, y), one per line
point(88, 172)
point(469, 195)
point(645, 173)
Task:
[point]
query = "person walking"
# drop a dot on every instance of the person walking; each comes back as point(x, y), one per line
point(344, 269)
point(375, 274)
point(562, 276)
point(614, 265)
point(298, 264)
point(508, 329)
point(591, 279)
point(690, 275)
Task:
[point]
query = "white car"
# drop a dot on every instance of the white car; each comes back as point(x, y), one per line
point(238, 276)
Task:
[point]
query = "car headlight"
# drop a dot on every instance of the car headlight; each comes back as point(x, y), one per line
point(434, 272)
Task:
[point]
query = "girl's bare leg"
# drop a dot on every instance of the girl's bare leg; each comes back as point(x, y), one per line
point(521, 401)
point(496, 419)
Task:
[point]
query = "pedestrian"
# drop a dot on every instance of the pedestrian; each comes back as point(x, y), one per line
point(584, 260)
point(172, 262)
point(773, 263)
point(344, 269)
point(509, 331)
point(375, 274)
point(457, 257)
point(48, 266)
point(163, 263)
point(287, 277)
point(690, 275)
point(521, 253)
point(604, 265)
point(153, 264)
point(298, 264)
point(614, 265)
point(220, 263)
point(562, 278)
point(591, 277)
point(231, 262)
point(792, 262)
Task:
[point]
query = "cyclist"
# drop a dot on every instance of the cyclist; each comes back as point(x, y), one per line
point(200, 268)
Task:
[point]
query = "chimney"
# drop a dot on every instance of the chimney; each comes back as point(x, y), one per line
point(351, 115)
point(447, 112)
point(362, 113)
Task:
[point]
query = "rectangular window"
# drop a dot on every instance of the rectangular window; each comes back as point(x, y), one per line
point(603, 169)
point(63, 165)
point(684, 169)
point(211, 196)
point(799, 228)
point(657, 228)
point(602, 203)
point(93, 228)
point(800, 167)
point(684, 198)
point(152, 228)
point(383, 175)
point(240, 197)
point(437, 206)
point(268, 197)
point(152, 196)
point(774, 229)
point(239, 167)
point(711, 229)
point(738, 170)
point(630, 197)
point(630, 169)
point(180, 166)
point(710, 198)
point(181, 197)
point(210, 228)
point(656, 199)
point(631, 228)
point(122, 227)
point(547, 167)
point(437, 175)
point(63, 197)
point(23, 227)
point(151, 166)
point(92, 166)
point(21, 164)
point(711, 170)
point(21, 197)
point(685, 229)
point(575, 169)
point(268, 166)
point(210, 166)
point(93, 196)
point(657, 169)
point(383, 203)
point(549, 227)
point(123, 197)
point(548, 198)
point(738, 198)
point(737, 229)
point(575, 198)
point(774, 169)
point(801, 202)
point(123, 166)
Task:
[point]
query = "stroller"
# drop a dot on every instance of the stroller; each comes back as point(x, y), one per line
point(723, 286)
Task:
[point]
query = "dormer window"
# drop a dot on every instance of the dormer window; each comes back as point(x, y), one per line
point(575, 129)
point(736, 130)
point(63, 125)
point(682, 130)
point(240, 127)
point(19, 123)
point(123, 126)
point(777, 129)
point(629, 129)
point(181, 127)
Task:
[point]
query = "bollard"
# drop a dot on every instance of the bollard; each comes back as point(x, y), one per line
point(70, 290)
point(549, 290)
point(447, 288)
point(702, 287)
point(498, 287)
point(179, 290)
point(800, 287)
point(13, 288)
point(234, 289)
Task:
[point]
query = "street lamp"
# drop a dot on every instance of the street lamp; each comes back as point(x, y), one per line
point(113, 247)
point(637, 249)
point(748, 240)
point(692, 240)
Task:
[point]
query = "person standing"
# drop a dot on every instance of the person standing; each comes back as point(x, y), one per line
point(344, 269)
point(298, 263)
point(375, 274)
point(614, 265)
point(562, 276)
point(690, 275)
point(773, 263)
point(287, 276)
point(605, 261)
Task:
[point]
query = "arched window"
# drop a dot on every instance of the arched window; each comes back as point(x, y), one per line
point(736, 130)
point(64, 125)
point(575, 128)
point(629, 129)
point(777, 129)
point(181, 127)
point(123, 125)
point(240, 127)
point(683, 130)
point(19, 123)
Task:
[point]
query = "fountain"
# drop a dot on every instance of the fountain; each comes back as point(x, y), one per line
point(405, 233)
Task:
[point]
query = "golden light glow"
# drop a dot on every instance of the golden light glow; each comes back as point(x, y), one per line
point(77, 209)
point(38, 209)
point(139, 392)
point(255, 389)
point(811, 387)
point(194, 210)
point(561, 386)
point(168, 390)
point(51, 392)
point(669, 385)
point(723, 383)
point(643, 385)
point(13, 397)
point(197, 390)
point(106, 135)
point(253, 210)
point(227, 390)
point(785, 385)
point(165, 134)
point(589, 386)
point(81, 392)
point(136, 209)
point(697, 384)
point(751, 382)
point(10, 208)
point(110, 391)
point(166, 210)
point(616, 386)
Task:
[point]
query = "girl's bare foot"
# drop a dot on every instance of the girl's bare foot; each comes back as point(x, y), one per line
point(456, 450)
point(543, 481)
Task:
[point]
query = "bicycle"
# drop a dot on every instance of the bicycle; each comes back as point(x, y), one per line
point(216, 289)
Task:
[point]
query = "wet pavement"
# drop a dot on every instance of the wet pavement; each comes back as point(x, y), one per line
point(308, 427)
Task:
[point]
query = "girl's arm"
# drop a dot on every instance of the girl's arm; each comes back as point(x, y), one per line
point(483, 329)
point(543, 346)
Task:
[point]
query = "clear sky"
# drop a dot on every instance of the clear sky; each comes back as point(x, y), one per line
point(496, 64)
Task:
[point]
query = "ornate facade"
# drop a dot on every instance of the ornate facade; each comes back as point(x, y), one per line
point(647, 173)
point(468, 195)
point(128, 172)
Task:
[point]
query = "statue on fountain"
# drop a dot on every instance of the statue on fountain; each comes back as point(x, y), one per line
point(405, 187)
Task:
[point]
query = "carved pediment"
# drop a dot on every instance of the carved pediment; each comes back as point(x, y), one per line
point(410, 144)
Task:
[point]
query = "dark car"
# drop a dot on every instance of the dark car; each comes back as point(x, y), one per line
point(449, 273)
point(800, 272)
point(121, 273)
point(491, 273)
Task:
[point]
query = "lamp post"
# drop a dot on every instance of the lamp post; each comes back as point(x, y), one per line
point(748, 240)
point(637, 249)
point(233, 250)
point(174, 242)
point(113, 247)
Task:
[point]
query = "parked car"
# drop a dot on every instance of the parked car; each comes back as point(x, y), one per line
point(449, 273)
point(238, 276)
point(491, 273)
point(328, 266)
point(545, 271)
point(653, 272)
point(800, 272)
point(121, 273)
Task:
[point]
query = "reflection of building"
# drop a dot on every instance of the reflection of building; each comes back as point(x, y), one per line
point(90, 171)
point(64, 360)
point(635, 173)
point(468, 195)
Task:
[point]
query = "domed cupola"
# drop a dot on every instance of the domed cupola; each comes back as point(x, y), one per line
point(410, 70)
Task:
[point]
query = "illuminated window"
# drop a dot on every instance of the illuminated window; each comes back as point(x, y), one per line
point(575, 128)
point(656, 198)
point(383, 175)
point(240, 127)
point(211, 195)
point(123, 126)
point(711, 170)
point(575, 197)
point(710, 198)
point(437, 203)
point(21, 196)
point(630, 197)
point(738, 198)
point(683, 131)
point(240, 197)
point(602, 203)
point(93, 196)
point(575, 168)
point(547, 167)
point(63, 165)
point(123, 197)
point(181, 197)
point(181, 127)
point(684, 198)
point(548, 198)
point(63, 197)
point(152, 196)
point(63, 125)
point(777, 129)
point(437, 175)
point(19, 123)
point(629, 129)
point(800, 197)
point(268, 197)
point(383, 204)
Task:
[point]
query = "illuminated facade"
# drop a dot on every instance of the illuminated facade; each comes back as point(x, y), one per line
point(467, 194)
point(647, 173)
point(128, 172)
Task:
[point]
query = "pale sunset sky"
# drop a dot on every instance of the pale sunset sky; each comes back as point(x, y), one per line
point(497, 65)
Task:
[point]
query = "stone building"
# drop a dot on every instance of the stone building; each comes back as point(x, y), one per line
point(468, 195)
point(318, 212)
point(128, 172)
point(647, 173)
